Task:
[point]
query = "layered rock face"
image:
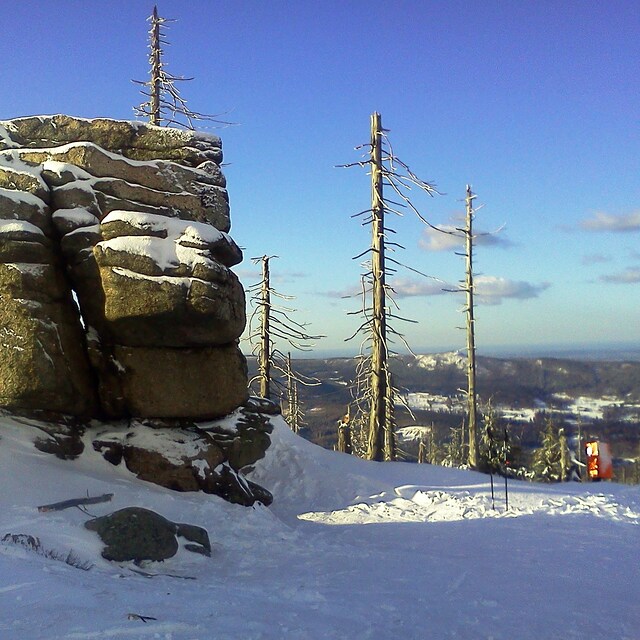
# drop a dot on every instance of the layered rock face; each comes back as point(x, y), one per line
point(116, 293)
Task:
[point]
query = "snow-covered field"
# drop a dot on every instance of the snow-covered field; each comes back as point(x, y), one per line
point(349, 549)
point(584, 408)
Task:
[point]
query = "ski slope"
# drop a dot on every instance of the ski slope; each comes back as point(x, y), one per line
point(349, 549)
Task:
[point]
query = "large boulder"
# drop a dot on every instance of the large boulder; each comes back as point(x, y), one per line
point(182, 459)
point(171, 311)
point(160, 382)
point(24, 206)
point(139, 535)
point(245, 440)
point(43, 364)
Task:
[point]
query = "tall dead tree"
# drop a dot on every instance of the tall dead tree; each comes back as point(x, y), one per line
point(268, 324)
point(374, 386)
point(468, 236)
point(472, 397)
point(264, 352)
point(380, 412)
point(164, 105)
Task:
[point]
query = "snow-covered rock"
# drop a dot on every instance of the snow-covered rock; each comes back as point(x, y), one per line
point(136, 217)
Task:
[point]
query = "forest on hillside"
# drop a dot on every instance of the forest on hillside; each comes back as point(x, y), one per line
point(539, 387)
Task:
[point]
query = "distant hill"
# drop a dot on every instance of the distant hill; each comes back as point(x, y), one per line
point(517, 383)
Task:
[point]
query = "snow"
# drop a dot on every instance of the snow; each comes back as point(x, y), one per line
point(175, 228)
point(22, 197)
point(79, 216)
point(166, 252)
point(183, 281)
point(60, 168)
point(20, 226)
point(349, 549)
point(413, 434)
point(438, 360)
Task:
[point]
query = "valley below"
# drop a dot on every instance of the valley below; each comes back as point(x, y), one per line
point(589, 399)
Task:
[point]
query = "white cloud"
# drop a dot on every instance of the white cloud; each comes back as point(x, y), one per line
point(406, 287)
point(402, 288)
point(493, 289)
point(450, 239)
point(628, 276)
point(434, 240)
point(607, 222)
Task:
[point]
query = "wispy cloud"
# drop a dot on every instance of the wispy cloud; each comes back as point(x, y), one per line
point(489, 290)
point(450, 239)
point(628, 276)
point(408, 287)
point(595, 258)
point(601, 221)
point(402, 288)
point(494, 290)
point(252, 276)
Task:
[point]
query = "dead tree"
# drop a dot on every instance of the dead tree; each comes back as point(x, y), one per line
point(264, 351)
point(468, 236)
point(380, 412)
point(344, 434)
point(472, 397)
point(374, 386)
point(268, 324)
point(164, 105)
point(292, 411)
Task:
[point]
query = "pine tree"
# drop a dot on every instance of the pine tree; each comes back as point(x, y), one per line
point(551, 460)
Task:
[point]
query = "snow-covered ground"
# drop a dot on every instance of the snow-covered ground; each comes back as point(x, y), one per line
point(349, 549)
point(583, 408)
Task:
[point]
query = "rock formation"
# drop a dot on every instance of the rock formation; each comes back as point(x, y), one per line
point(130, 222)
point(117, 301)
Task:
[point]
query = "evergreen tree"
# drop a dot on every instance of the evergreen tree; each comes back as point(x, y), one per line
point(551, 460)
point(454, 449)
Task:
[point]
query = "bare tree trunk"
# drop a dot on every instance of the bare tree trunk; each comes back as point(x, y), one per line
point(471, 341)
point(154, 104)
point(378, 384)
point(390, 422)
point(344, 438)
point(293, 408)
point(264, 356)
point(422, 452)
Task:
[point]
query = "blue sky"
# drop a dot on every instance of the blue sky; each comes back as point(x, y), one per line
point(535, 104)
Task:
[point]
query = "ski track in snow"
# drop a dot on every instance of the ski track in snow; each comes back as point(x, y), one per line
point(349, 549)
